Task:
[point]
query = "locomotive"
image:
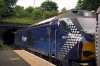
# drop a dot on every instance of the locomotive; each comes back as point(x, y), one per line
point(68, 38)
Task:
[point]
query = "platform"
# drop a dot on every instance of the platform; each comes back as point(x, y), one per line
point(21, 58)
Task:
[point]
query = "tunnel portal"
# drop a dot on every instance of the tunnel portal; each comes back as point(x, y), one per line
point(8, 36)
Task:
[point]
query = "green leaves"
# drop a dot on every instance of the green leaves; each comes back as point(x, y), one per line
point(37, 13)
point(49, 5)
point(2, 7)
point(1, 45)
point(9, 5)
point(29, 9)
point(88, 5)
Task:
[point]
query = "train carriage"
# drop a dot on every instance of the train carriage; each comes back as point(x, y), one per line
point(68, 38)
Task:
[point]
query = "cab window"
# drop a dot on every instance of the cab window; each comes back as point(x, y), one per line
point(65, 26)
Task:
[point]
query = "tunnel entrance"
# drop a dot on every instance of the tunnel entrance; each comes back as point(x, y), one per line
point(8, 36)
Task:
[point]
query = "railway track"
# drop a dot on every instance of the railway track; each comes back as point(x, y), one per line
point(8, 47)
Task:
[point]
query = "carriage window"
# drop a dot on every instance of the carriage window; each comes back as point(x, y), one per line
point(65, 26)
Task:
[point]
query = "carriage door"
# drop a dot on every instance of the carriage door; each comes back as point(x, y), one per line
point(52, 38)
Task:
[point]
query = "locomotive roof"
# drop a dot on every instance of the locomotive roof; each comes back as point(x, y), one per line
point(66, 15)
point(75, 14)
point(42, 22)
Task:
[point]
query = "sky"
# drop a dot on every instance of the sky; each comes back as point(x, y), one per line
point(68, 4)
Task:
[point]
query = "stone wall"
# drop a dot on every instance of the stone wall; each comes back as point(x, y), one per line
point(5, 26)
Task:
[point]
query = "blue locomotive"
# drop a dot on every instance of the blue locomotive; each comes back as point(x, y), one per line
point(68, 38)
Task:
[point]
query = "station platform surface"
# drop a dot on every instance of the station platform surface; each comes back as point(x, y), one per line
point(21, 58)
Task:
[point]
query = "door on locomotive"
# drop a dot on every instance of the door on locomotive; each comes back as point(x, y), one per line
point(52, 40)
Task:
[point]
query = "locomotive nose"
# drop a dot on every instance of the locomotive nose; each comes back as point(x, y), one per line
point(88, 51)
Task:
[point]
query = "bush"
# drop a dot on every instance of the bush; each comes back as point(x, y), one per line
point(1, 45)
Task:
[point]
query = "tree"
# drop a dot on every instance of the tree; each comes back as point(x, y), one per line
point(29, 9)
point(78, 6)
point(49, 5)
point(2, 7)
point(48, 14)
point(17, 10)
point(54, 13)
point(23, 13)
point(37, 13)
point(63, 10)
point(87, 5)
point(20, 11)
point(9, 10)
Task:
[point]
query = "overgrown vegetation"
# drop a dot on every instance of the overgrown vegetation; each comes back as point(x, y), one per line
point(21, 20)
point(10, 12)
point(88, 5)
point(1, 45)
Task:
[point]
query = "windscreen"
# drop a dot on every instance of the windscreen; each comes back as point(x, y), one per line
point(64, 26)
point(88, 24)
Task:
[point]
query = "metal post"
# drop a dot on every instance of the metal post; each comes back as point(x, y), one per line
point(49, 42)
point(98, 41)
point(55, 42)
point(34, 4)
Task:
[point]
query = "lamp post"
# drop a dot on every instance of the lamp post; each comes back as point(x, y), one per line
point(34, 4)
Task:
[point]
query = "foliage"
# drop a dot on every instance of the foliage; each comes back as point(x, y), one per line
point(63, 10)
point(49, 5)
point(88, 5)
point(37, 13)
point(54, 13)
point(29, 9)
point(48, 14)
point(26, 20)
point(9, 5)
point(20, 11)
point(17, 10)
point(1, 45)
point(23, 13)
point(2, 7)
point(30, 14)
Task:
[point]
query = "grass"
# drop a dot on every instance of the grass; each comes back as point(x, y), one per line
point(1, 45)
point(21, 20)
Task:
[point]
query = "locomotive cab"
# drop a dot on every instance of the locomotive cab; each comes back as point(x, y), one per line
point(80, 43)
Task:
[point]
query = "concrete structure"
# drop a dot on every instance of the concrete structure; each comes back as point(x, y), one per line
point(98, 41)
point(6, 29)
point(21, 58)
